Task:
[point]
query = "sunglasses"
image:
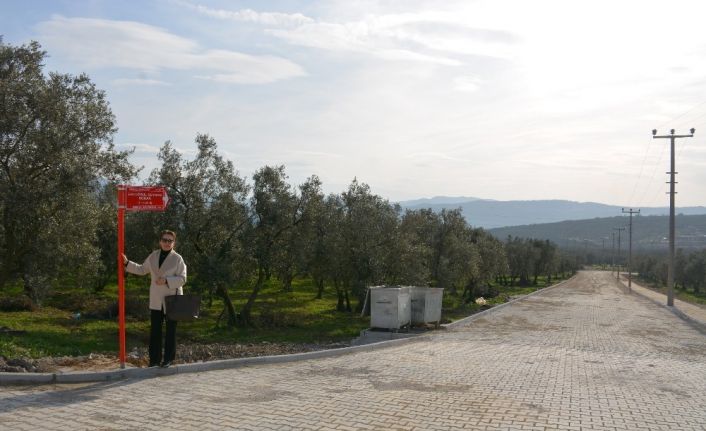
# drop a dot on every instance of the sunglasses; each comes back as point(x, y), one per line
point(168, 240)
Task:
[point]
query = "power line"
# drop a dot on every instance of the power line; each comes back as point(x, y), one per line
point(652, 177)
point(700, 115)
point(642, 167)
point(685, 113)
point(683, 148)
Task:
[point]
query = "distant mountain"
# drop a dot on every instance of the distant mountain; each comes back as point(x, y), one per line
point(490, 214)
point(651, 232)
point(438, 200)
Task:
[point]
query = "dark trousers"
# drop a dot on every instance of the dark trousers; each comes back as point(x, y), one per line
point(157, 317)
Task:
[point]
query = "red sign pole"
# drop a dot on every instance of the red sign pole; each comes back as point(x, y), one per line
point(121, 272)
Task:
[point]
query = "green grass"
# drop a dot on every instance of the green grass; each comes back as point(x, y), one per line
point(279, 316)
point(52, 332)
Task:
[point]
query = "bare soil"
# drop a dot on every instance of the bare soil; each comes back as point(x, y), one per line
point(139, 357)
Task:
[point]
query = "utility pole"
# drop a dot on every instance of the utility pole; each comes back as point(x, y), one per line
point(612, 253)
point(631, 212)
point(619, 229)
point(670, 273)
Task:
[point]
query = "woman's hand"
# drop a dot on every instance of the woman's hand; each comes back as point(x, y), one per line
point(161, 281)
point(125, 259)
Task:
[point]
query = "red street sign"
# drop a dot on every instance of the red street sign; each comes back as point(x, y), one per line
point(146, 198)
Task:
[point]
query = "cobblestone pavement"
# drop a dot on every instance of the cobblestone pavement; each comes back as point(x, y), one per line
point(584, 355)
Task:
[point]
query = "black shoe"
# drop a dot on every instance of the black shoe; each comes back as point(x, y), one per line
point(153, 364)
point(166, 364)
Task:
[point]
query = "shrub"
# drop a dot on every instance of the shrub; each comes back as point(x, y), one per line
point(17, 303)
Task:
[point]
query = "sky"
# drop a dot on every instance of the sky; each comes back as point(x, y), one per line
point(495, 99)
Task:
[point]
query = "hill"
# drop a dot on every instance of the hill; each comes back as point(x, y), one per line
point(490, 214)
point(438, 200)
point(651, 232)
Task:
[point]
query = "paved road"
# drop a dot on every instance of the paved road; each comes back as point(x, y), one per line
point(585, 355)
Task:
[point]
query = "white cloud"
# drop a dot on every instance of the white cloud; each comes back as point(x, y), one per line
point(139, 148)
point(426, 155)
point(249, 15)
point(328, 36)
point(316, 154)
point(189, 152)
point(403, 54)
point(423, 34)
point(418, 36)
point(139, 81)
point(142, 150)
point(504, 100)
point(251, 69)
point(467, 84)
point(100, 43)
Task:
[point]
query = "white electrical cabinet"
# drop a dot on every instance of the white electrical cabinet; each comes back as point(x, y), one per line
point(426, 304)
point(390, 307)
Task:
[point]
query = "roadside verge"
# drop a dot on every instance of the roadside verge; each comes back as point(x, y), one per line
point(197, 367)
point(690, 313)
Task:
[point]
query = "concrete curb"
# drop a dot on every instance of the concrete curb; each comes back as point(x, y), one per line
point(143, 373)
point(696, 323)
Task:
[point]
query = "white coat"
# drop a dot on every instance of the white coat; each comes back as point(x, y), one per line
point(173, 269)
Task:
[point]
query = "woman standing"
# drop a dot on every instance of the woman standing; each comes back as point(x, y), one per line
point(168, 272)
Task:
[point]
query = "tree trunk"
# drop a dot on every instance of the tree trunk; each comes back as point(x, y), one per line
point(6, 268)
point(466, 291)
point(340, 306)
point(287, 278)
point(228, 305)
point(245, 318)
point(320, 284)
point(348, 303)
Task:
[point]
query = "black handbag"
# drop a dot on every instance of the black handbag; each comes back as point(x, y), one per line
point(182, 308)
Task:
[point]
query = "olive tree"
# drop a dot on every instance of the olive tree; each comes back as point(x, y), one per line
point(492, 265)
point(368, 231)
point(56, 153)
point(209, 211)
point(276, 211)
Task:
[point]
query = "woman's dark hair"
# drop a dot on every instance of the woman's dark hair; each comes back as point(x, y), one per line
point(170, 232)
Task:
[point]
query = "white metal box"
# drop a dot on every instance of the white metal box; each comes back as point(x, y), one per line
point(390, 307)
point(426, 304)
